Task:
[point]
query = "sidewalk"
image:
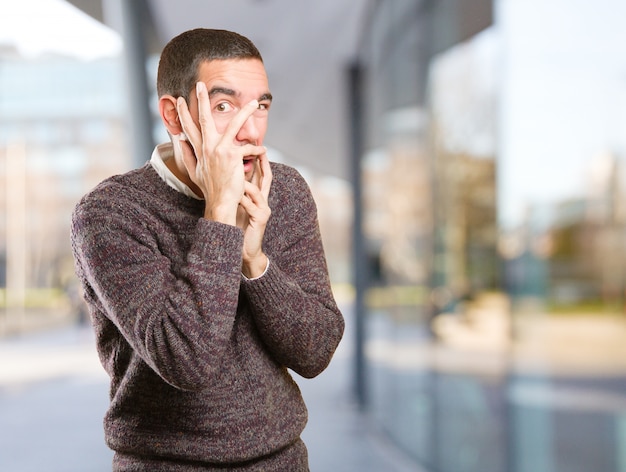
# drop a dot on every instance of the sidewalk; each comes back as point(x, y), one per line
point(338, 437)
point(53, 394)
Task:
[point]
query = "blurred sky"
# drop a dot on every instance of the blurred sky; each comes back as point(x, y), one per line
point(563, 97)
point(34, 27)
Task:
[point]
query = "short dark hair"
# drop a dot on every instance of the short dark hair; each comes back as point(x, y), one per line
point(178, 66)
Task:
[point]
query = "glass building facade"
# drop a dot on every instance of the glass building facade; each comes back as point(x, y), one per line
point(493, 194)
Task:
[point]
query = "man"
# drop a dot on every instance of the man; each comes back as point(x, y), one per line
point(206, 278)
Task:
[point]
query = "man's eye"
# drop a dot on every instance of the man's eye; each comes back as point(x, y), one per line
point(264, 106)
point(224, 107)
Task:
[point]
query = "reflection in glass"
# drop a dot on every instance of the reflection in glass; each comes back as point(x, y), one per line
point(496, 218)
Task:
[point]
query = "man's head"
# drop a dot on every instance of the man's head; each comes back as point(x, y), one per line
point(231, 69)
point(180, 60)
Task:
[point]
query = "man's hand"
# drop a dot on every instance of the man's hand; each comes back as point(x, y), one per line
point(214, 161)
point(254, 215)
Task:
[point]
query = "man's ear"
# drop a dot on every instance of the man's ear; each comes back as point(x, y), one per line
point(169, 114)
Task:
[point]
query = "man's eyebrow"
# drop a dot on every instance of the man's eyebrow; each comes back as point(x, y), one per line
point(222, 90)
point(232, 93)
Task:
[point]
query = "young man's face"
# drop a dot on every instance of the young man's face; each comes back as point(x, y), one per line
point(231, 84)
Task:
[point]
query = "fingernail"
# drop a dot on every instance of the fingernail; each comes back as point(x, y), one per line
point(199, 86)
point(255, 103)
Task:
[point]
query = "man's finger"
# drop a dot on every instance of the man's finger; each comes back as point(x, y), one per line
point(186, 121)
point(239, 119)
point(205, 116)
point(252, 192)
point(251, 150)
point(189, 158)
point(266, 176)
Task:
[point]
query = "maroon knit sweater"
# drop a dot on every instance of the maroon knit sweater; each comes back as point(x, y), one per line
point(197, 354)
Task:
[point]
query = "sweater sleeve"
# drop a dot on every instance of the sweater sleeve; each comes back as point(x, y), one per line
point(179, 323)
point(293, 304)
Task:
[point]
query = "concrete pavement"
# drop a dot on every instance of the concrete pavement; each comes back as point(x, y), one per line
point(53, 395)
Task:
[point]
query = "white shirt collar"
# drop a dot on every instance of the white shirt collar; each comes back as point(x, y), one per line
point(162, 153)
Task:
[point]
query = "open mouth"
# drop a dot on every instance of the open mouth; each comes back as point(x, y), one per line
point(248, 163)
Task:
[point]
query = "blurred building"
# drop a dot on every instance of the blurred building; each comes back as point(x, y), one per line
point(62, 130)
point(495, 309)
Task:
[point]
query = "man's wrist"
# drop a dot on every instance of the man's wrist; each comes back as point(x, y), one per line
point(221, 214)
point(256, 270)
